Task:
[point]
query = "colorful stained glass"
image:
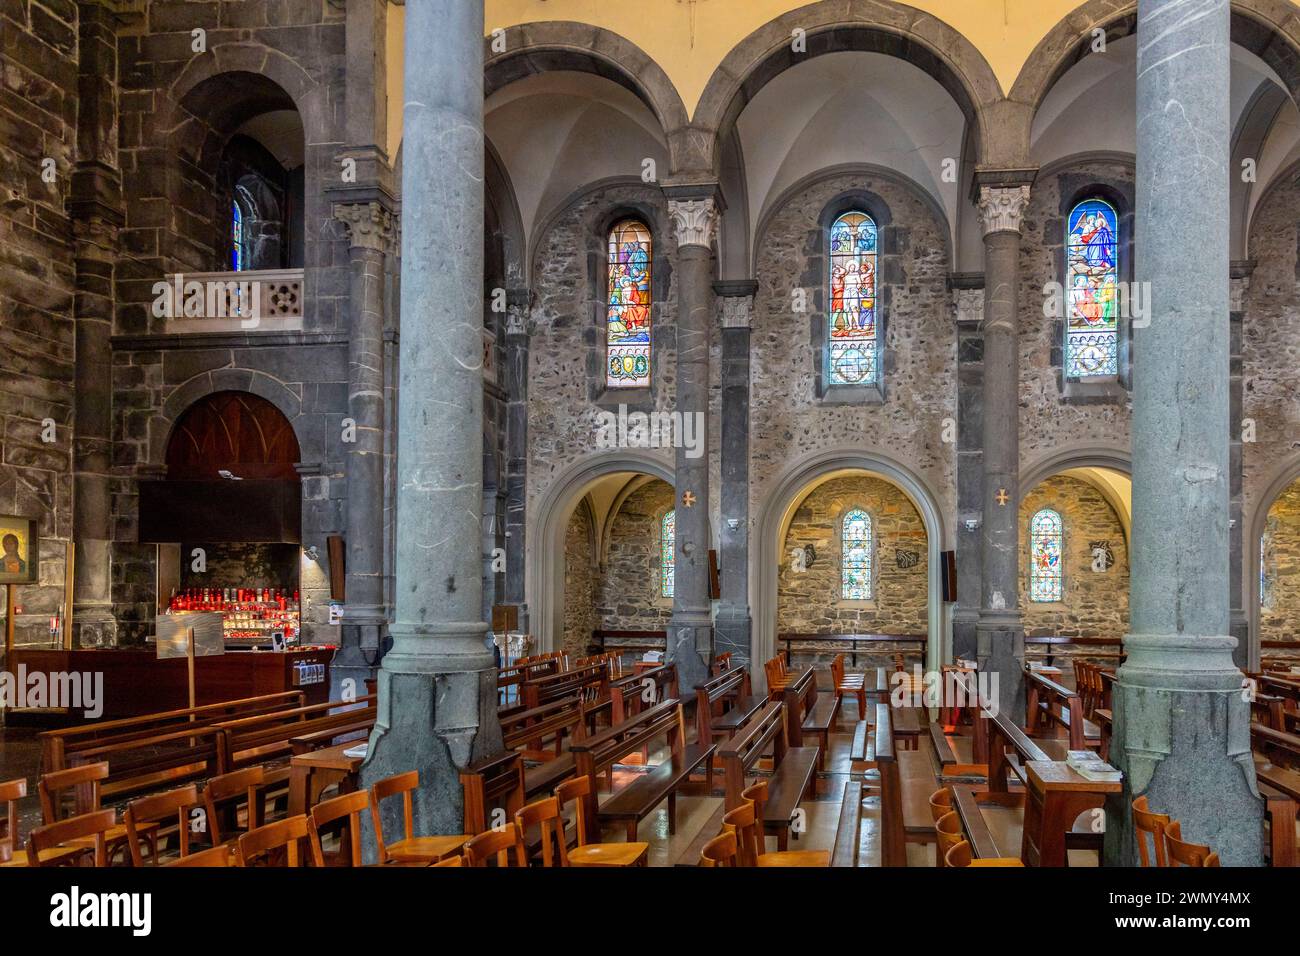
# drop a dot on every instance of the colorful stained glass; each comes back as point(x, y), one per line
point(236, 237)
point(1045, 547)
point(855, 567)
point(667, 542)
point(627, 327)
point(851, 315)
point(1092, 284)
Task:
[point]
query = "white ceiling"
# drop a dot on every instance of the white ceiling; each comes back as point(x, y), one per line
point(281, 132)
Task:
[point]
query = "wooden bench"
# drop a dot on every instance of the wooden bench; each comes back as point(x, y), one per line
point(598, 753)
point(848, 831)
point(631, 694)
point(58, 747)
point(793, 771)
point(731, 690)
point(591, 682)
point(1277, 769)
point(268, 737)
point(528, 730)
point(141, 764)
point(1050, 702)
point(806, 713)
point(906, 781)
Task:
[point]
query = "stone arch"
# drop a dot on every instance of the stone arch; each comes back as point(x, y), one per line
point(775, 515)
point(1068, 459)
point(1268, 28)
point(548, 519)
point(894, 29)
point(531, 48)
point(1283, 476)
point(229, 380)
point(252, 58)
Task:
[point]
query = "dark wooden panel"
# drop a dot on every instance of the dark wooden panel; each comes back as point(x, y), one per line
point(219, 511)
point(236, 431)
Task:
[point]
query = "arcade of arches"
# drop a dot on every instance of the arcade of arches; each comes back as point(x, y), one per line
point(732, 340)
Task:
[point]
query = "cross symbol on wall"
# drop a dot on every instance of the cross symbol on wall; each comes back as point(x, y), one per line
point(1002, 497)
point(688, 499)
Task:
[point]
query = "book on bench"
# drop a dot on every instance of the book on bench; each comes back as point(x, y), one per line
point(1091, 767)
point(360, 750)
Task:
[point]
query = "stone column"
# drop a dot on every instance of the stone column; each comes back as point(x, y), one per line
point(516, 385)
point(1000, 634)
point(1182, 724)
point(734, 626)
point(694, 215)
point(95, 207)
point(371, 232)
point(437, 685)
point(968, 293)
point(1243, 654)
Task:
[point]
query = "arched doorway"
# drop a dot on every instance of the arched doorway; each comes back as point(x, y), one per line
point(1273, 577)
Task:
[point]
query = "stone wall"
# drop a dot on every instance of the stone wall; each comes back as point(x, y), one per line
point(38, 138)
point(630, 598)
point(1095, 603)
point(580, 584)
point(1279, 613)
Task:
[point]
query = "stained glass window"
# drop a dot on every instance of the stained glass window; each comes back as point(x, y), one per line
point(236, 237)
point(1092, 283)
point(627, 343)
point(1045, 547)
point(855, 569)
point(851, 351)
point(667, 542)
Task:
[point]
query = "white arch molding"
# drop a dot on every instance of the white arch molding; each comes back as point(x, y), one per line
point(1284, 476)
point(792, 486)
point(545, 530)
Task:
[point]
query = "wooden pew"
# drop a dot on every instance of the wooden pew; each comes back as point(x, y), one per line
point(591, 682)
point(598, 753)
point(793, 772)
point(141, 764)
point(527, 730)
point(1277, 769)
point(906, 782)
point(805, 713)
point(267, 737)
point(628, 694)
point(490, 783)
point(849, 828)
point(1046, 701)
point(730, 689)
point(59, 747)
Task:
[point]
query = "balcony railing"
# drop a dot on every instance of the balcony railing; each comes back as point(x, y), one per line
point(249, 301)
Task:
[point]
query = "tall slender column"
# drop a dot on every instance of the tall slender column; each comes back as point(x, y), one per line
point(690, 631)
point(371, 233)
point(437, 685)
point(968, 293)
point(734, 626)
point(1239, 626)
point(1182, 724)
point(516, 384)
point(1000, 634)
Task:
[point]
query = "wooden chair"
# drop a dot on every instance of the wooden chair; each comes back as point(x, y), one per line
point(1182, 853)
point(506, 843)
point(267, 841)
point(743, 821)
point(349, 808)
point(777, 677)
point(213, 856)
point(845, 683)
point(54, 785)
point(222, 798)
point(1145, 822)
point(68, 842)
point(410, 848)
point(948, 833)
point(720, 851)
point(940, 803)
point(595, 854)
point(545, 815)
point(11, 791)
point(960, 855)
point(156, 809)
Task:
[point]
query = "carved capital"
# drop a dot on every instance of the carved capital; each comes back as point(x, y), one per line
point(736, 310)
point(370, 225)
point(1002, 207)
point(1237, 290)
point(694, 221)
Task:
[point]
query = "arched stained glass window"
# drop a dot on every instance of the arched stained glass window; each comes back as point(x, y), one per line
point(667, 544)
point(1046, 544)
point(851, 346)
point(627, 342)
point(236, 237)
point(1092, 283)
point(855, 568)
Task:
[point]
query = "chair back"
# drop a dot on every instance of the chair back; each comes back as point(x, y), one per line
point(155, 809)
point(52, 786)
point(958, 854)
point(940, 803)
point(756, 793)
point(948, 833)
point(545, 814)
point(222, 798)
point(349, 808)
point(1147, 823)
point(720, 851)
point(53, 835)
point(213, 856)
point(1182, 853)
point(743, 822)
point(576, 789)
point(11, 791)
point(266, 841)
point(403, 784)
point(505, 843)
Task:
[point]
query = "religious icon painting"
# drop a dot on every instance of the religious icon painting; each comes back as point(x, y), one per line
point(851, 312)
point(19, 560)
point(628, 305)
point(1092, 287)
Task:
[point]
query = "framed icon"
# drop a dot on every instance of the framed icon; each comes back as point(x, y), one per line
point(19, 551)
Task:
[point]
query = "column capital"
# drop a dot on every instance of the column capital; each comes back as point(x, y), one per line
point(695, 220)
point(735, 302)
point(370, 225)
point(1002, 207)
point(969, 304)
